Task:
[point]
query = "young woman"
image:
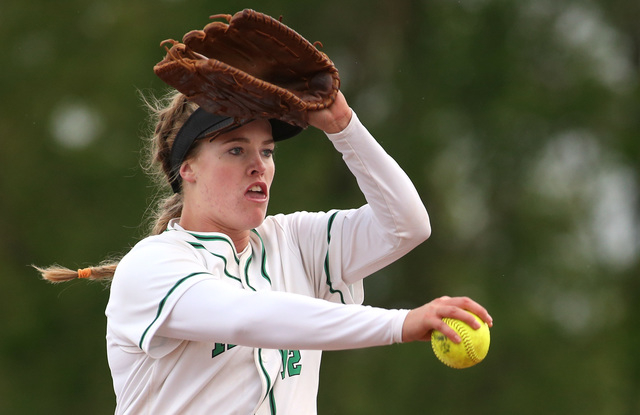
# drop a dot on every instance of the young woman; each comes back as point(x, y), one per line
point(226, 310)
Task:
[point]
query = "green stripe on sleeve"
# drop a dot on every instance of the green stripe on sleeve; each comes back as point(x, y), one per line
point(164, 301)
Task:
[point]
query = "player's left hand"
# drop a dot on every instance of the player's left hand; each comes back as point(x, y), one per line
point(333, 119)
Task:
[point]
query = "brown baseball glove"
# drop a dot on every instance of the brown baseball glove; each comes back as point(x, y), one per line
point(253, 66)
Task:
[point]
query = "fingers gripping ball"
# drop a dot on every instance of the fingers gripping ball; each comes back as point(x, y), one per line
point(470, 351)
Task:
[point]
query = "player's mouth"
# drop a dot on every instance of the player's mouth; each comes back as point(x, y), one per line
point(257, 192)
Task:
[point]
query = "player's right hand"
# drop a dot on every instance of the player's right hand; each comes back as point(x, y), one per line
point(421, 321)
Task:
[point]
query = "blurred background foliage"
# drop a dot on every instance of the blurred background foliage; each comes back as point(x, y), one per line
point(517, 120)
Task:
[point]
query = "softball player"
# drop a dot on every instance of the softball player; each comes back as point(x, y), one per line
point(226, 310)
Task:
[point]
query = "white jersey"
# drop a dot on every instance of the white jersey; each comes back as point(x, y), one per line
point(194, 327)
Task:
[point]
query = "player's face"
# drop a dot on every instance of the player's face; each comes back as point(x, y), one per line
point(227, 182)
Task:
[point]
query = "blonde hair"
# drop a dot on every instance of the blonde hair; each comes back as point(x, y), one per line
point(167, 114)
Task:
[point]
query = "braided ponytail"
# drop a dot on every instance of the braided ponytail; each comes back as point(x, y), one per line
point(167, 114)
point(57, 274)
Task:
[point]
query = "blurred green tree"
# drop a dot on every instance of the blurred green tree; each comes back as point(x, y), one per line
point(517, 120)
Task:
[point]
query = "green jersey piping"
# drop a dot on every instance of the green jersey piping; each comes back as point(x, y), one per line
point(197, 245)
point(263, 265)
point(163, 302)
point(326, 260)
point(217, 238)
point(270, 395)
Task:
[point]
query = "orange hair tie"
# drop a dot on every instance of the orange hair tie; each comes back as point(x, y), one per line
point(84, 273)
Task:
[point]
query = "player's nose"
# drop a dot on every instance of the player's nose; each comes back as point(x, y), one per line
point(257, 164)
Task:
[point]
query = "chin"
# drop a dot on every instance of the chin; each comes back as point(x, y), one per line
point(256, 220)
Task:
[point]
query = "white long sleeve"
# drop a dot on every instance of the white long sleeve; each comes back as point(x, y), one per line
point(394, 216)
point(278, 320)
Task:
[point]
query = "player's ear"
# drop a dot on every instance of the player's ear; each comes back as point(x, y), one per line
point(187, 172)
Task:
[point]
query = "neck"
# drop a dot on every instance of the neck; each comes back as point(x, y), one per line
point(241, 243)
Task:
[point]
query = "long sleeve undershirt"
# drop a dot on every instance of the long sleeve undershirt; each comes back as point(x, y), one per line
point(276, 320)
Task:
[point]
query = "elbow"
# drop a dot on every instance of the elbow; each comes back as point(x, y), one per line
point(426, 231)
point(422, 231)
point(422, 225)
point(417, 222)
point(415, 231)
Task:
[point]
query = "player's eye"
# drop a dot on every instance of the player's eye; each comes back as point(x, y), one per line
point(236, 151)
point(268, 152)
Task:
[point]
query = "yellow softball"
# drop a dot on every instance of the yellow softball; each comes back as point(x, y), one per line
point(470, 351)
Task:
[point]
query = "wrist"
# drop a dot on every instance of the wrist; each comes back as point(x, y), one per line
point(339, 123)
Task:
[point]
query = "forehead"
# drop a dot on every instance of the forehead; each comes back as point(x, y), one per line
point(257, 130)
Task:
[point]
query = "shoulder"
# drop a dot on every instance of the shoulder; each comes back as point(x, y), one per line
point(164, 254)
point(154, 267)
point(166, 244)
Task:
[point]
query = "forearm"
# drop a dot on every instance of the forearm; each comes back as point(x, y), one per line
point(210, 311)
point(389, 192)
